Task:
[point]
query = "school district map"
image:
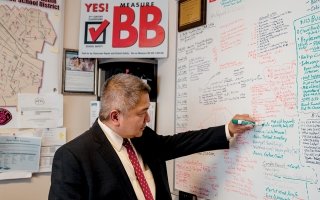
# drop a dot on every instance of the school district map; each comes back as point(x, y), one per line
point(23, 33)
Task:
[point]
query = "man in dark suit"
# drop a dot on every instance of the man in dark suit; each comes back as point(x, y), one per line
point(96, 166)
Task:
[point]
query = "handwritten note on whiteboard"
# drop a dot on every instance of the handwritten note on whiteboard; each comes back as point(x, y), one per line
point(262, 58)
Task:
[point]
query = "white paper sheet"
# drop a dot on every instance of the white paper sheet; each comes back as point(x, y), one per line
point(40, 110)
point(15, 175)
point(52, 139)
point(19, 153)
point(94, 111)
point(152, 114)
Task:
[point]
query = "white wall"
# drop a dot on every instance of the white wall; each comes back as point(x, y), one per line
point(37, 187)
point(166, 85)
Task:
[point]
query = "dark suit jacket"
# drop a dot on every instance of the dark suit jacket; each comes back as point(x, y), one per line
point(89, 168)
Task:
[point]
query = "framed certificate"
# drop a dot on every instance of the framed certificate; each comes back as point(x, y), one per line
point(191, 13)
point(79, 74)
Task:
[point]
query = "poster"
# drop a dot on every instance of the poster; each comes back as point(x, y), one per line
point(123, 29)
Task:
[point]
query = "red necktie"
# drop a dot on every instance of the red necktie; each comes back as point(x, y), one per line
point(138, 171)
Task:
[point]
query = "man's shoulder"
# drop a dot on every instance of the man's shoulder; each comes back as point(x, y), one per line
point(84, 140)
point(93, 133)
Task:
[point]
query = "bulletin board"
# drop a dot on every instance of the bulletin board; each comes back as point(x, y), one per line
point(31, 106)
point(261, 58)
point(31, 47)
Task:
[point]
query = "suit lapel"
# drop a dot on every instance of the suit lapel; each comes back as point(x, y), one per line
point(111, 158)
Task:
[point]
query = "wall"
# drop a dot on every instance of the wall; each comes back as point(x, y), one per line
point(37, 187)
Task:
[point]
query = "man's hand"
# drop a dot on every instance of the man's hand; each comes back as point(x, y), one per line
point(239, 129)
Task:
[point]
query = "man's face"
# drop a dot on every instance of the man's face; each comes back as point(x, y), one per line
point(134, 121)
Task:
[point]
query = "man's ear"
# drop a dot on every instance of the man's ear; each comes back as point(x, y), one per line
point(114, 117)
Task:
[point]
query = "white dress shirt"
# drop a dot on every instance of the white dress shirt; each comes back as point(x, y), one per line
point(116, 142)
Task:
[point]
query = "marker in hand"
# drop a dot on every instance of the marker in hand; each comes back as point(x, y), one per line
point(242, 122)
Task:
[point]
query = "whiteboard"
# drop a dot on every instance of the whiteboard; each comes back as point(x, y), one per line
point(262, 58)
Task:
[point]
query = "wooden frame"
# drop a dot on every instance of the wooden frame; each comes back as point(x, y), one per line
point(191, 13)
point(79, 74)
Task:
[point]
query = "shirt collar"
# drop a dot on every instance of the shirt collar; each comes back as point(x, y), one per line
point(115, 139)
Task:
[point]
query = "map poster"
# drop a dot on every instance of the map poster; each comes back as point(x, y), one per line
point(31, 46)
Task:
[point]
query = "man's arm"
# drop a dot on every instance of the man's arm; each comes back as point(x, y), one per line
point(169, 147)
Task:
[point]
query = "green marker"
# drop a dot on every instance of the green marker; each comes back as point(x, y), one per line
point(242, 122)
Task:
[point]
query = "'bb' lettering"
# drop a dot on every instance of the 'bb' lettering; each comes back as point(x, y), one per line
point(126, 26)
